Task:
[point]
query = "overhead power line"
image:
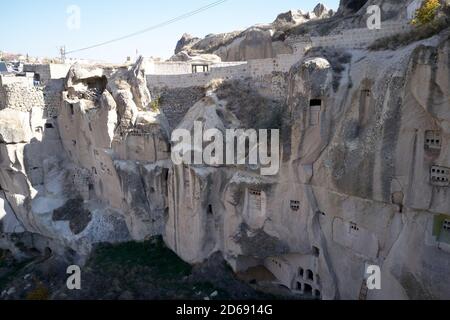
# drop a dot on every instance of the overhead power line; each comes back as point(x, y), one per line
point(159, 25)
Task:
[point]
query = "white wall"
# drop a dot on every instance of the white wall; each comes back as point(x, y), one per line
point(179, 74)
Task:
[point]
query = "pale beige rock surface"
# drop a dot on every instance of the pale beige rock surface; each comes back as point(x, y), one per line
point(363, 179)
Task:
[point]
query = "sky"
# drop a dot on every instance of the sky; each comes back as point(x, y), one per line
point(40, 27)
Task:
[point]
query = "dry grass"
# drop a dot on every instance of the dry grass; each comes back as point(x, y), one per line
point(39, 293)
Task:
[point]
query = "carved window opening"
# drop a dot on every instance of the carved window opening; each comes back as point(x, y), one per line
point(308, 289)
point(210, 210)
point(446, 225)
point(366, 93)
point(310, 275)
point(47, 252)
point(295, 205)
point(317, 293)
point(433, 140)
point(72, 112)
point(353, 227)
point(255, 200)
point(90, 126)
point(49, 126)
point(314, 111)
point(316, 251)
point(301, 272)
point(165, 182)
point(37, 78)
point(440, 176)
point(200, 68)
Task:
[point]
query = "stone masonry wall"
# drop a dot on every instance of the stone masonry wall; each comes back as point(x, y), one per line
point(178, 75)
point(252, 69)
point(53, 97)
point(47, 72)
point(19, 93)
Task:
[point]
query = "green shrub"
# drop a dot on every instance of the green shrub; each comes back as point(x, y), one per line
point(427, 12)
point(155, 104)
point(154, 254)
point(421, 32)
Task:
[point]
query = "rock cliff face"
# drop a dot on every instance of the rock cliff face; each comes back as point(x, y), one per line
point(364, 178)
point(257, 42)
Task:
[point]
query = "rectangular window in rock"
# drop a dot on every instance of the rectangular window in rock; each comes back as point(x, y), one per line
point(198, 68)
point(446, 225)
point(433, 140)
point(315, 103)
point(444, 234)
point(295, 205)
point(254, 200)
point(353, 227)
point(440, 176)
point(365, 93)
point(314, 111)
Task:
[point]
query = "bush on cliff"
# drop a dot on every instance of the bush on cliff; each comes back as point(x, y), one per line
point(427, 12)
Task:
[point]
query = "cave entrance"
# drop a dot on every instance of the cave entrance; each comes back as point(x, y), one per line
point(97, 83)
point(47, 252)
point(309, 275)
point(307, 289)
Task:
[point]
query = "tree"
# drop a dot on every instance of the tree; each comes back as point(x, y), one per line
point(427, 12)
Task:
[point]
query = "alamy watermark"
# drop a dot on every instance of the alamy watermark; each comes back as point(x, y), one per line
point(374, 19)
point(238, 147)
point(73, 21)
point(373, 275)
point(74, 280)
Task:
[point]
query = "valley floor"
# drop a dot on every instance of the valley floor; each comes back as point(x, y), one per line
point(142, 271)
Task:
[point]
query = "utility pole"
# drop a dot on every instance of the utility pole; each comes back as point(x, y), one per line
point(62, 51)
